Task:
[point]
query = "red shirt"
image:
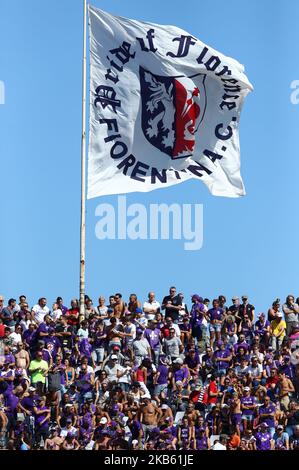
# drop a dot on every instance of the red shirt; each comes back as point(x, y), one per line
point(72, 321)
point(212, 388)
point(2, 328)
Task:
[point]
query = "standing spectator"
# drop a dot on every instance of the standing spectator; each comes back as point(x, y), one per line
point(140, 347)
point(216, 317)
point(277, 331)
point(291, 311)
point(246, 308)
point(40, 310)
point(38, 369)
point(8, 314)
point(119, 306)
point(172, 345)
point(172, 304)
point(272, 312)
point(63, 308)
point(151, 307)
point(72, 315)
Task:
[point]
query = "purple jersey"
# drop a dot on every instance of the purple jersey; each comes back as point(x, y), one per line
point(260, 327)
point(201, 443)
point(40, 417)
point(163, 370)
point(219, 354)
point(135, 428)
point(153, 337)
point(181, 374)
point(11, 402)
point(184, 432)
point(263, 441)
point(215, 314)
point(267, 410)
point(243, 345)
point(248, 401)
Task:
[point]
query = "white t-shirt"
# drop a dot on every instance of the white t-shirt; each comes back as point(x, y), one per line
point(218, 446)
point(142, 321)
point(112, 372)
point(131, 329)
point(82, 333)
point(16, 338)
point(150, 305)
point(56, 314)
point(40, 312)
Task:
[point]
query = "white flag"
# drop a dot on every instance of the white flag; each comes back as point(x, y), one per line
point(164, 108)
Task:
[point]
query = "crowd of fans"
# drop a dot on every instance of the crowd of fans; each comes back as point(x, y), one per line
point(148, 375)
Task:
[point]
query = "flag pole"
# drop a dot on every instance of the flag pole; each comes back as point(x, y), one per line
point(83, 171)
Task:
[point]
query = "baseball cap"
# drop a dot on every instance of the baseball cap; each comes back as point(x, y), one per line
point(235, 298)
point(31, 389)
point(280, 426)
point(164, 407)
point(103, 420)
point(179, 382)
point(247, 389)
point(114, 356)
point(139, 331)
point(262, 314)
point(265, 425)
point(178, 361)
point(244, 296)
point(115, 348)
point(279, 315)
point(138, 310)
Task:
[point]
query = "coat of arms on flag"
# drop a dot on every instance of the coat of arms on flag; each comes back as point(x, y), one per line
point(164, 108)
point(172, 110)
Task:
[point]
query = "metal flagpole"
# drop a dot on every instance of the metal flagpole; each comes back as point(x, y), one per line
point(83, 170)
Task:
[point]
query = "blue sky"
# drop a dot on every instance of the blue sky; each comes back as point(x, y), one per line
point(250, 244)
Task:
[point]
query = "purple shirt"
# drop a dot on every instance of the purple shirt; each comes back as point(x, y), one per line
point(181, 374)
point(11, 401)
point(265, 410)
point(215, 314)
point(222, 353)
point(39, 418)
point(248, 401)
point(261, 329)
point(244, 345)
point(153, 337)
point(163, 370)
point(263, 441)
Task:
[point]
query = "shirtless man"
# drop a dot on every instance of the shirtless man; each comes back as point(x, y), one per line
point(236, 412)
point(119, 306)
point(113, 334)
point(22, 357)
point(285, 389)
point(149, 416)
point(192, 414)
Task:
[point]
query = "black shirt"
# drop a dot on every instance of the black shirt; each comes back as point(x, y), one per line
point(248, 309)
point(171, 312)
